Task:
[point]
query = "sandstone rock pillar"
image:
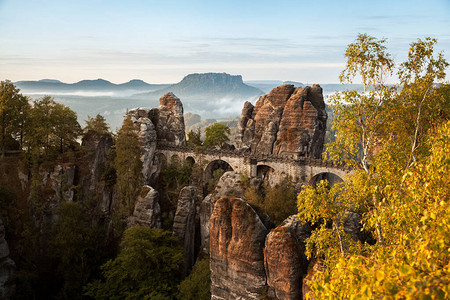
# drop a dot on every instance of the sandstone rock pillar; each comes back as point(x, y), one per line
point(184, 226)
point(236, 250)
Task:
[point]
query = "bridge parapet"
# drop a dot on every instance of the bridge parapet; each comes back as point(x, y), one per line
point(290, 158)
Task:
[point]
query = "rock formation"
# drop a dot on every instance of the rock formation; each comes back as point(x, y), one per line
point(62, 180)
point(56, 186)
point(286, 121)
point(7, 267)
point(169, 120)
point(228, 185)
point(164, 125)
point(245, 127)
point(184, 226)
point(284, 258)
point(147, 211)
point(97, 146)
point(236, 251)
point(147, 137)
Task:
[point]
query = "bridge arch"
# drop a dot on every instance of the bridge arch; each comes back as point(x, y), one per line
point(331, 177)
point(190, 161)
point(265, 172)
point(212, 167)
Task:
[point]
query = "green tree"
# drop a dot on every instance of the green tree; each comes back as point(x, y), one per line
point(147, 267)
point(197, 285)
point(278, 201)
point(128, 164)
point(216, 135)
point(194, 138)
point(52, 127)
point(173, 178)
point(13, 112)
point(97, 124)
point(39, 129)
point(66, 129)
point(79, 246)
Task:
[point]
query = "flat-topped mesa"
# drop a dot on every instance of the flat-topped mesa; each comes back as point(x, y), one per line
point(286, 121)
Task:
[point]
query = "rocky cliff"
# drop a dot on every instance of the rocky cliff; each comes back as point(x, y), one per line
point(284, 258)
point(236, 241)
point(147, 137)
point(184, 226)
point(229, 185)
point(147, 211)
point(169, 120)
point(7, 267)
point(287, 120)
point(92, 181)
point(249, 259)
point(165, 125)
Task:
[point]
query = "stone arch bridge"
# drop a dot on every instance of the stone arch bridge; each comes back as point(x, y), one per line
point(298, 169)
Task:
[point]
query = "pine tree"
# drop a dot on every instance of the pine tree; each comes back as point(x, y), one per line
point(13, 111)
point(128, 164)
point(97, 124)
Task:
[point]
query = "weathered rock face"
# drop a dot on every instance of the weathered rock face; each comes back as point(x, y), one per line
point(285, 261)
point(169, 120)
point(244, 128)
point(288, 120)
point(228, 185)
point(56, 187)
point(165, 125)
point(147, 137)
point(147, 211)
point(62, 180)
point(236, 250)
point(7, 267)
point(184, 225)
point(98, 146)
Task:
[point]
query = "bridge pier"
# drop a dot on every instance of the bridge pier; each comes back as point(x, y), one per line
point(253, 167)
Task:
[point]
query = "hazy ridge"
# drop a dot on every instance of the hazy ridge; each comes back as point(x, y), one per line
point(213, 96)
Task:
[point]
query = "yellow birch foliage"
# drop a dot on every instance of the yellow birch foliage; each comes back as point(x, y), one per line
point(415, 262)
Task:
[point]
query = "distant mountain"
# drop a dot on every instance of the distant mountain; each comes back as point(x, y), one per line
point(55, 87)
point(264, 85)
point(328, 88)
point(207, 86)
point(295, 83)
point(267, 85)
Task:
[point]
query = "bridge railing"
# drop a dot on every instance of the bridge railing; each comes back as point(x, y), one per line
point(293, 157)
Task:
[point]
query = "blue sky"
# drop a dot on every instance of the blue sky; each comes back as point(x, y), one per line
point(162, 41)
